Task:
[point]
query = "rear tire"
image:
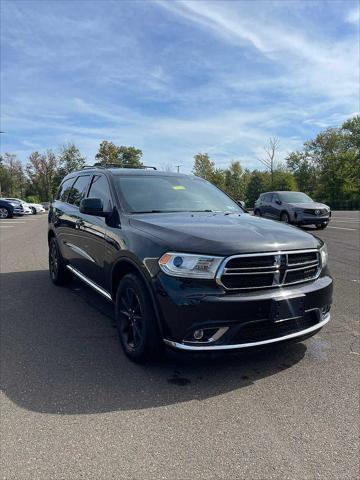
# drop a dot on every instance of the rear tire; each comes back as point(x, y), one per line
point(284, 217)
point(136, 321)
point(59, 274)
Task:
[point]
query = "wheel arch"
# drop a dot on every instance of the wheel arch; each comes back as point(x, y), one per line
point(51, 235)
point(125, 266)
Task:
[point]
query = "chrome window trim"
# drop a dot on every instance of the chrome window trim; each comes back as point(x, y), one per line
point(182, 346)
point(222, 268)
point(89, 282)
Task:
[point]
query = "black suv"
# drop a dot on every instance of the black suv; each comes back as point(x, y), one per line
point(184, 264)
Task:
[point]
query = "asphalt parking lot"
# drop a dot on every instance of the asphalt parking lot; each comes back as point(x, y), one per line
point(74, 407)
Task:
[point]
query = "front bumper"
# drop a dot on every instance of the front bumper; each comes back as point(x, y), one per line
point(237, 320)
point(305, 333)
point(307, 219)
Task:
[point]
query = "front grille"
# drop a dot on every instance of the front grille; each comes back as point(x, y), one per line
point(264, 270)
point(260, 331)
point(250, 262)
point(303, 257)
point(302, 275)
point(310, 211)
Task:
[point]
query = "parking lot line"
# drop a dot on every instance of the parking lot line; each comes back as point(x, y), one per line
point(342, 228)
point(7, 226)
point(346, 221)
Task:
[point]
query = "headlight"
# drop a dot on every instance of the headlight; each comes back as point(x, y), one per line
point(324, 255)
point(189, 265)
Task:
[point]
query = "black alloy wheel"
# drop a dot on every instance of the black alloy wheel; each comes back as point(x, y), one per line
point(59, 274)
point(132, 324)
point(136, 321)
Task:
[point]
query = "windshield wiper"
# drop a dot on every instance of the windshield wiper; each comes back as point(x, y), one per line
point(177, 211)
point(208, 210)
point(157, 211)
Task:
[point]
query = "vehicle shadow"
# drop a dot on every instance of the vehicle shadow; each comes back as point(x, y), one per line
point(60, 354)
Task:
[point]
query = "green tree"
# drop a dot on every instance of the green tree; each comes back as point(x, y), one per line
point(13, 180)
point(130, 156)
point(42, 170)
point(203, 166)
point(110, 154)
point(5, 179)
point(328, 167)
point(218, 178)
point(284, 180)
point(302, 166)
point(351, 132)
point(259, 182)
point(234, 182)
point(70, 159)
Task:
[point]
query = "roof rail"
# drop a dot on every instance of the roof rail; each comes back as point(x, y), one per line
point(114, 165)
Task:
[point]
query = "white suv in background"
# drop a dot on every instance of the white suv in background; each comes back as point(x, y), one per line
point(29, 208)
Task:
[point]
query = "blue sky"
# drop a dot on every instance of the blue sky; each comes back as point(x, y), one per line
point(175, 77)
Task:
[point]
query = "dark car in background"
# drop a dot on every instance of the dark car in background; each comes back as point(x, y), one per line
point(17, 208)
point(6, 209)
point(184, 264)
point(292, 207)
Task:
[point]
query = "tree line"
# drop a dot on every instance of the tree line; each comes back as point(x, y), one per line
point(327, 168)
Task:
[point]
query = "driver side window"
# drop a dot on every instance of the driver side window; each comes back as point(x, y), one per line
point(99, 188)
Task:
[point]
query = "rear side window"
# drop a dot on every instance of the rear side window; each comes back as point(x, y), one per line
point(78, 190)
point(100, 189)
point(267, 197)
point(64, 190)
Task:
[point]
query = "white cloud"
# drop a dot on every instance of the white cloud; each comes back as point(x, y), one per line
point(353, 16)
point(310, 62)
point(211, 76)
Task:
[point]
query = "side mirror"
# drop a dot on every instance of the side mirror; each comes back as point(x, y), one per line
point(241, 203)
point(279, 202)
point(92, 206)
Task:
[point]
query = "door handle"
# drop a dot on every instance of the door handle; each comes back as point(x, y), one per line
point(79, 224)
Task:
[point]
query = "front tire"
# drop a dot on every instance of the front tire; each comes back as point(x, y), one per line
point(136, 321)
point(33, 210)
point(284, 217)
point(257, 213)
point(59, 274)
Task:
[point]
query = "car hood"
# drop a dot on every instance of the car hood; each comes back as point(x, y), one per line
point(310, 205)
point(220, 234)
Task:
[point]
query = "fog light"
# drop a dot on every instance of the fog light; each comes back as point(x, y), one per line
point(198, 334)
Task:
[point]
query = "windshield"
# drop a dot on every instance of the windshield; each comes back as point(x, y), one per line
point(148, 194)
point(294, 197)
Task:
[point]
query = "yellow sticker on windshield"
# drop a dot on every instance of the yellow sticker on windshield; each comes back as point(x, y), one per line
point(178, 187)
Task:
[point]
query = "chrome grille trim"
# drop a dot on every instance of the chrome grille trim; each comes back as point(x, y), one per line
point(279, 269)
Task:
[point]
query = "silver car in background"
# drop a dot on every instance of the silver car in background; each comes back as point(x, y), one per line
point(292, 207)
